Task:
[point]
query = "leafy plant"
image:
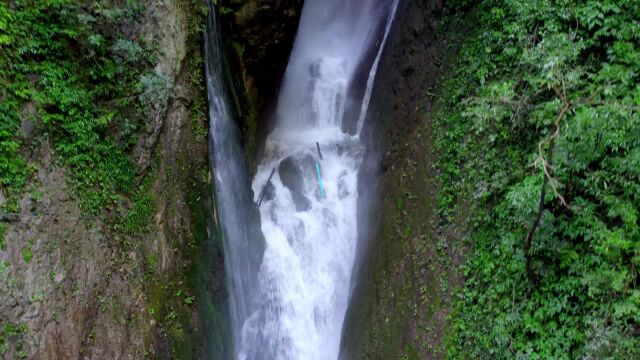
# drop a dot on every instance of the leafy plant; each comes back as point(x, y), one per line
point(10, 331)
point(68, 60)
point(27, 251)
point(544, 100)
point(139, 217)
point(3, 232)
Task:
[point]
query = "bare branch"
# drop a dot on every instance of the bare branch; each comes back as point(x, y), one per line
point(546, 166)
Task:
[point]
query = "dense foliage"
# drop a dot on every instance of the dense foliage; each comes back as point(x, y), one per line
point(75, 71)
point(544, 102)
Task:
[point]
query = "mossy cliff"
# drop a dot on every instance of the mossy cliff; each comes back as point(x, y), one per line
point(105, 234)
point(109, 243)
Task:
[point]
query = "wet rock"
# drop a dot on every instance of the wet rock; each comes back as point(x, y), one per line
point(269, 192)
point(290, 174)
point(343, 187)
point(265, 29)
point(259, 36)
point(8, 217)
point(292, 177)
point(28, 125)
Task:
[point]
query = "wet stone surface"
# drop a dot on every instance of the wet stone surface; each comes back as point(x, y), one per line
point(292, 177)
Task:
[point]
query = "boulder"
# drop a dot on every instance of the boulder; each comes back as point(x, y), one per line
point(292, 177)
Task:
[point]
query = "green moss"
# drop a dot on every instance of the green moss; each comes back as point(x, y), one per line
point(139, 218)
point(27, 251)
point(199, 118)
point(3, 232)
point(174, 298)
point(408, 285)
point(238, 48)
point(395, 295)
point(12, 332)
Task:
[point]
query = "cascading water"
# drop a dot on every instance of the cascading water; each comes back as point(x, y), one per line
point(309, 176)
point(243, 244)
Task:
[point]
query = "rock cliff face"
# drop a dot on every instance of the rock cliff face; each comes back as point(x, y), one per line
point(398, 306)
point(74, 287)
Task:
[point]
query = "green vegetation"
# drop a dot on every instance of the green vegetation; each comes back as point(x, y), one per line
point(70, 69)
point(539, 127)
point(138, 219)
point(27, 251)
point(195, 66)
point(222, 9)
point(199, 117)
point(12, 332)
point(3, 233)
point(174, 297)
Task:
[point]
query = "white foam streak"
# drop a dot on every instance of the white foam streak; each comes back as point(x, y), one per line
point(374, 68)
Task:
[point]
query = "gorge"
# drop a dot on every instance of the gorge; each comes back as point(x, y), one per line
point(319, 179)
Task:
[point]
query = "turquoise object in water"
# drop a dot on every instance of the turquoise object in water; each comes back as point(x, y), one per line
point(322, 194)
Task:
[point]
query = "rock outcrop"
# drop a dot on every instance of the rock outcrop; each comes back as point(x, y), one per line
point(263, 35)
point(292, 177)
point(260, 37)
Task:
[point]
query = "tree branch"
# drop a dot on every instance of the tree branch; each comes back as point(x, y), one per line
point(546, 165)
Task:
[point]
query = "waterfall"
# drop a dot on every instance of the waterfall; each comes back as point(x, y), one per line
point(309, 176)
point(289, 286)
point(243, 244)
